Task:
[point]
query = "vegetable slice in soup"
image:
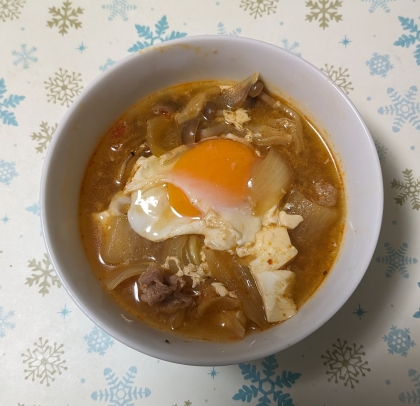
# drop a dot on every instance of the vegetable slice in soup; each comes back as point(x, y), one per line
point(212, 210)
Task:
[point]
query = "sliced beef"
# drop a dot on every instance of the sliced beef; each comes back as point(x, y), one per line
point(326, 194)
point(156, 285)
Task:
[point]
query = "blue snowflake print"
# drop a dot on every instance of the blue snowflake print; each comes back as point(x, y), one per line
point(290, 47)
point(406, 41)
point(5, 323)
point(5, 219)
point(7, 116)
point(7, 172)
point(120, 392)
point(345, 41)
point(267, 386)
point(64, 311)
point(82, 48)
point(109, 62)
point(396, 260)
point(412, 396)
point(35, 209)
point(221, 30)
point(213, 373)
point(359, 312)
point(119, 8)
point(417, 314)
point(98, 341)
point(383, 4)
point(404, 108)
point(24, 56)
point(399, 341)
point(149, 38)
point(379, 65)
point(381, 150)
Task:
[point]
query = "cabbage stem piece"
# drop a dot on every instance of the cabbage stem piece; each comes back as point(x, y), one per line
point(271, 181)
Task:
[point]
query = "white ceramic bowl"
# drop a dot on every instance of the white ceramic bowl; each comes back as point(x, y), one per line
point(186, 60)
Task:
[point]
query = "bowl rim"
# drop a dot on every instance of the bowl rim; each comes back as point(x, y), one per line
point(204, 361)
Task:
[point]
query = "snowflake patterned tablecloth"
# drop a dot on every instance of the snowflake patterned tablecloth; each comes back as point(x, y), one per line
point(51, 354)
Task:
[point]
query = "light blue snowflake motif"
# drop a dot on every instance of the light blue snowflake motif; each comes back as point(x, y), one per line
point(150, 38)
point(12, 101)
point(359, 312)
point(98, 341)
point(269, 385)
point(399, 341)
point(406, 41)
point(5, 219)
point(291, 47)
point(379, 65)
point(5, 323)
point(213, 373)
point(381, 150)
point(64, 311)
point(82, 48)
point(404, 108)
point(221, 30)
point(24, 56)
point(416, 315)
point(345, 41)
point(412, 396)
point(383, 4)
point(120, 392)
point(119, 8)
point(109, 62)
point(396, 260)
point(7, 172)
point(35, 209)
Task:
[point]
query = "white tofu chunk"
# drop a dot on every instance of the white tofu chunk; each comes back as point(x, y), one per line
point(276, 292)
point(281, 218)
point(272, 249)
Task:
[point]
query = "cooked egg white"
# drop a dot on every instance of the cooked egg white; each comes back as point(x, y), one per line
point(204, 190)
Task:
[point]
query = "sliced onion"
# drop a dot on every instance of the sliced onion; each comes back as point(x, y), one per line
point(218, 304)
point(234, 96)
point(119, 240)
point(316, 218)
point(270, 182)
point(195, 105)
point(123, 167)
point(125, 273)
point(163, 134)
point(238, 278)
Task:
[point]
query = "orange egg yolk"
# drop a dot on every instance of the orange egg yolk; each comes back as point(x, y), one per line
point(221, 166)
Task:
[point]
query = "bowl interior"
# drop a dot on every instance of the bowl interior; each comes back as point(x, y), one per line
point(186, 60)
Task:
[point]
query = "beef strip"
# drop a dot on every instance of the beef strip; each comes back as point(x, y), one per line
point(157, 286)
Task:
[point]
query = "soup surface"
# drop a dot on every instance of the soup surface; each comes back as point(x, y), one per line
point(212, 210)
